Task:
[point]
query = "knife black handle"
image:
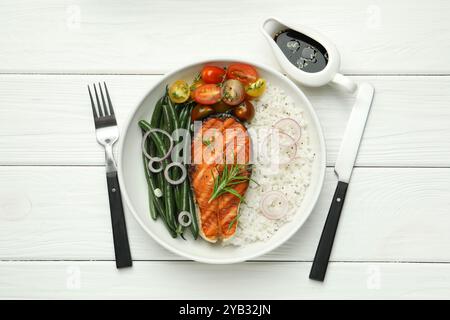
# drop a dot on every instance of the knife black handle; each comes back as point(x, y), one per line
point(320, 263)
point(119, 227)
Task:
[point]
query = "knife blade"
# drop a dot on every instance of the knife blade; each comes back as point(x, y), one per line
point(354, 132)
point(343, 169)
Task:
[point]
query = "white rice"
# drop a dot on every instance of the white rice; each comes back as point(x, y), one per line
point(292, 179)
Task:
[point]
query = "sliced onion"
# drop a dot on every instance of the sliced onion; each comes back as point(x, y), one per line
point(151, 166)
point(183, 173)
point(274, 205)
point(184, 218)
point(144, 139)
point(290, 127)
point(286, 147)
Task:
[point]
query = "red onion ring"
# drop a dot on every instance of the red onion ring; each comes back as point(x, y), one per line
point(290, 127)
point(183, 173)
point(274, 205)
point(181, 218)
point(152, 168)
point(292, 146)
point(144, 139)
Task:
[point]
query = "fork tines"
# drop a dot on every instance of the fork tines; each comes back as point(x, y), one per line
point(103, 112)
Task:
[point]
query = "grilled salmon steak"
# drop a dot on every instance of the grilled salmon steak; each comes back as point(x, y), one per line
point(221, 146)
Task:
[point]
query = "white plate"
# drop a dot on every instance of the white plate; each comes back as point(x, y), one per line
point(134, 186)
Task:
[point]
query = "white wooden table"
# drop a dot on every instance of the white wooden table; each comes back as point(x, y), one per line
point(55, 232)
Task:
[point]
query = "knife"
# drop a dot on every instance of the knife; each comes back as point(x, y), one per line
point(343, 169)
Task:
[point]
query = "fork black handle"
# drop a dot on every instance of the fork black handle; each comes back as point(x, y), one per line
point(320, 263)
point(119, 227)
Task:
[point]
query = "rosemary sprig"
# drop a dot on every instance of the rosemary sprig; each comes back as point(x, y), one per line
point(233, 221)
point(223, 183)
point(197, 77)
point(208, 142)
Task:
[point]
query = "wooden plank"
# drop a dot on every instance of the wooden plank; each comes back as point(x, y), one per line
point(62, 213)
point(46, 120)
point(185, 280)
point(152, 37)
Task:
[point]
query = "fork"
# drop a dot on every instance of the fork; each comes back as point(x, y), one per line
point(107, 134)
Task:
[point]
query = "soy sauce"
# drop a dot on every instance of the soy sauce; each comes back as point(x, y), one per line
point(302, 51)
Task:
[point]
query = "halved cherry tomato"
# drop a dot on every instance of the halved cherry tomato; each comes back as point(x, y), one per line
point(201, 111)
point(179, 91)
point(232, 92)
point(207, 94)
point(245, 111)
point(256, 89)
point(213, 74)
point(245, 73)
point(194, 86)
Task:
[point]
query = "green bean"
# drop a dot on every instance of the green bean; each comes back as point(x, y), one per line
point(160, 175)
point(194, 224)
point(179, 108)
point(157, 201)
point(173, 119)
point(169, 202)
point(187, 116)
point(182, 116)
point(170, 118)
point(178, 201)
point(184, 190)
point(167, 123)
point(189, 119)
point(157, 113)
point(151, 196)
point(154, 122)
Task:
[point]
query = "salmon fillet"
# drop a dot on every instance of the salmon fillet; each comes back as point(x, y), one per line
point(221, 141)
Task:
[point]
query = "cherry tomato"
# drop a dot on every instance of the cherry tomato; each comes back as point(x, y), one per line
point(233, 92)
point(243, 72)
point(194, 86)
point(256, 89)
point(212, 74)
point(221, 107)
point(245, 111)
point(179, 91)
point(207, 94)
point(201, 111)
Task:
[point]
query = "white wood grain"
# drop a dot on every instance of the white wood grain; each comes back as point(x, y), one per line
point(186, 280)
point(154, 36)
point(47, 120)
point(58, 213)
